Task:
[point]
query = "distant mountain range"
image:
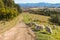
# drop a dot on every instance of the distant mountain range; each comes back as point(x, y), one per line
point(39, 5)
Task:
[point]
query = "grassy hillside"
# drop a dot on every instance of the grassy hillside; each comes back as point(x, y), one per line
point(42, 20)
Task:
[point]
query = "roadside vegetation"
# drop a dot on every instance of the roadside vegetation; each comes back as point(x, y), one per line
point(9, 12)
point(6, 25)
point(8, 9)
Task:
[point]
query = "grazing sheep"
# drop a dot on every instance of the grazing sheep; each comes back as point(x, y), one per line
point(33, 23)
point(54, 26)
point(48, 29)
point(29, 24)
point(39, 27)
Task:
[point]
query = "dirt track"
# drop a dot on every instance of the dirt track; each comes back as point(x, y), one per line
point(19, 32)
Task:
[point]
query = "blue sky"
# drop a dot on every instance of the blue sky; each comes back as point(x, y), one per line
point(36, 1)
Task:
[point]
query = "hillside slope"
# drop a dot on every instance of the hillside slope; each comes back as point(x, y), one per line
point(42, 20)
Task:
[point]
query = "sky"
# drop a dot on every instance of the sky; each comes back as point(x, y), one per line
point(37, 1)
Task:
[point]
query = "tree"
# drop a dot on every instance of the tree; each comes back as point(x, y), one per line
point(1, 4)
point(9, 3)
point(18, 8)
point(55, 18)
point(8, 9)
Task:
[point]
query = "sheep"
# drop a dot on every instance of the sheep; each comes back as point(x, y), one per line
point(48, 29)
point(54, 27)
point(39, 27)
point(29, 24)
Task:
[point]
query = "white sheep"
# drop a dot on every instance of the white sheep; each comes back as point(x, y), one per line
point(48, 29)
point(54, 26)
point(39, 27)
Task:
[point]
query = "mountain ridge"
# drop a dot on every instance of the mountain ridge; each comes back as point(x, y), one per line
point(42, 4)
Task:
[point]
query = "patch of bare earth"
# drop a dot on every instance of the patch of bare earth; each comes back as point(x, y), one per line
point(19, 32)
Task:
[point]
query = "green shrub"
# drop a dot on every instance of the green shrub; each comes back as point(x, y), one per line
point(8, 9)
point(55, 18)
point(7, 13)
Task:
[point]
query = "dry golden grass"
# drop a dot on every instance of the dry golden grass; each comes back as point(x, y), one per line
point(41, 19)
point(8, 24)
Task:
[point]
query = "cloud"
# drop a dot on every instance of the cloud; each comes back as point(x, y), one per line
point(36, 1)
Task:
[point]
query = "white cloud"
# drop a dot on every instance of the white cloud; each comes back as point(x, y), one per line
point(35, 1)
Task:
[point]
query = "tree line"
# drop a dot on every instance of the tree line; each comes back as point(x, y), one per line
point(54, 14)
